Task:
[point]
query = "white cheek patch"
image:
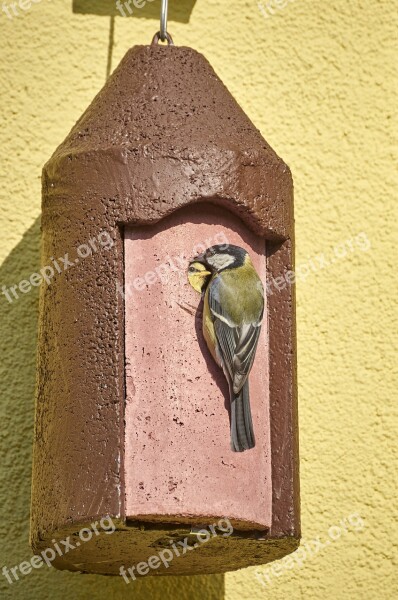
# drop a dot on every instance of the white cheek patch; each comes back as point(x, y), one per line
point(220, 261)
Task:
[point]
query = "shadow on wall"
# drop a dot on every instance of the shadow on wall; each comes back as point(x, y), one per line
point(145, 9)
point(18, 358)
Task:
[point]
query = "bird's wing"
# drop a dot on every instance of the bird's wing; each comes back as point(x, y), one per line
point(237, 343)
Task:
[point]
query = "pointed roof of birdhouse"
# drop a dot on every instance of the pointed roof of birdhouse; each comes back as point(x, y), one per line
point(165, 132)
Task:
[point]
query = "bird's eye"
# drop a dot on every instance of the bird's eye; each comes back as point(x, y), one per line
point(191, 270)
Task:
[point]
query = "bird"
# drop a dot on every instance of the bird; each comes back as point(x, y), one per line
point(233, 308)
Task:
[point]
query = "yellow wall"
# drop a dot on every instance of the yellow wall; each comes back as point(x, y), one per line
point(318, 79)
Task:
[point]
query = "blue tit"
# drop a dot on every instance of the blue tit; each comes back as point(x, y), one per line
point(232, 315)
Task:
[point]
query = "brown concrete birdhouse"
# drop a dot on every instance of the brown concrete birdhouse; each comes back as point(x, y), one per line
point(132, 414)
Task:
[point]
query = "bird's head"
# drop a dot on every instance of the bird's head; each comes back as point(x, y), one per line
point(225, 256)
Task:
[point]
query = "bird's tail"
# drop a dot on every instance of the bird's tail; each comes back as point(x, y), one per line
point(242, 435)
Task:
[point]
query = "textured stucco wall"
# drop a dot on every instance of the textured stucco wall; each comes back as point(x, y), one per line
point(318, 79)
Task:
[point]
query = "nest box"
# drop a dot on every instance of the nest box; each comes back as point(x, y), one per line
point(132, 413)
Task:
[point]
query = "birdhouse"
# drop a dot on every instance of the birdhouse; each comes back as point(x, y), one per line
point(132, 413)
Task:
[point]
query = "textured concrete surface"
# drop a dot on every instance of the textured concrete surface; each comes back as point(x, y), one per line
point(318, 79)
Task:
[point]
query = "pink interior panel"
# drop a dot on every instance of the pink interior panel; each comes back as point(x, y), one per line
point(178, 460)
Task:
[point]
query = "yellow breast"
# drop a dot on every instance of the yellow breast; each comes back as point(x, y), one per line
point(208, 328)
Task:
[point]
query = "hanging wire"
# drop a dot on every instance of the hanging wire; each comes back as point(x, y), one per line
point(163, 35)
point(163, 19)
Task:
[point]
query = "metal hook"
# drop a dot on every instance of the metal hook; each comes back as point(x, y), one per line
point(163, 20)
point(156, 39)
point(163, 35)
